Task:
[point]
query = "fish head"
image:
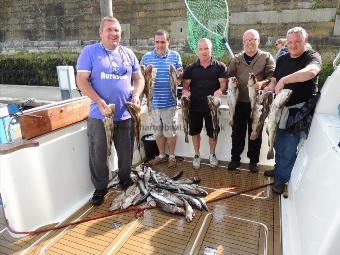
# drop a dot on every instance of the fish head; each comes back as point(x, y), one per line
point(179, 74)
point(268, 97)
point(142, 69)
point(132, 108)
point(282, 97)
point(213, 102)
point(172, 69)
point(232, 83)
point(252, 79)
point(173, 76)
point(110, 110)
point(185, 101)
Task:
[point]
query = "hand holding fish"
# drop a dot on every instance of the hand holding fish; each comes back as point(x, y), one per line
point(260, 84)
point(135, 99)
point(179, 75)
point(185, 93)
point(218, 93)
point(271, 85)
point(103, 107)
point(279, 86)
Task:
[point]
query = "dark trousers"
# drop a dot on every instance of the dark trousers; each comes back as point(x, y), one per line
point(123, 139)
point(242, 120)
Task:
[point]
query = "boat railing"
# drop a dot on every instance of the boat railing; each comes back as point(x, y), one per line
point(336, 61)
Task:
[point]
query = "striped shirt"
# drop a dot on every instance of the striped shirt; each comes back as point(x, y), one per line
point(162, 96)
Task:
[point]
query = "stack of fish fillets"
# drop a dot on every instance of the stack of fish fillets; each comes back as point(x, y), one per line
point(168, 193)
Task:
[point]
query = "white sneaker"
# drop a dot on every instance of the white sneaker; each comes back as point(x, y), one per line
point(196, 162)
point(213, 160)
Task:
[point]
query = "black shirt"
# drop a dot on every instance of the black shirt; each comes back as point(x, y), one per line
point(204, 82)
point(285, 65)
point(248, 59)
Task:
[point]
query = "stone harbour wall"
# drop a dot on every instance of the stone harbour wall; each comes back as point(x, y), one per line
point(43, 25)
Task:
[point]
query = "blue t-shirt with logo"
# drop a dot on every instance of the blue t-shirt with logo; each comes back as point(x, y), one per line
point(110, 76)
point(162, 95)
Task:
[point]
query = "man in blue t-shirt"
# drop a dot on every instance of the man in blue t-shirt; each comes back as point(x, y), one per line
point(104, 73)
point(163, 103)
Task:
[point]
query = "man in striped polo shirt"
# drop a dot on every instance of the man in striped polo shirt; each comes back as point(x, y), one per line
point(163, 104)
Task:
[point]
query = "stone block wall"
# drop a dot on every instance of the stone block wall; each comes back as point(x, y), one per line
point(51, 24)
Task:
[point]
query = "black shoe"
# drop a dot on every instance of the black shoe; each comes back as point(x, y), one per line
point(126, 184)
point(233, 165)
point(253, 167)
point(269, 173)
point(98, 197)
point(278, 187)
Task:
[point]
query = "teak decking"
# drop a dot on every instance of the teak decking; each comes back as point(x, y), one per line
point(245, 224)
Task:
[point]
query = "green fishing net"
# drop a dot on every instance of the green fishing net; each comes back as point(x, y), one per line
point(208, 19)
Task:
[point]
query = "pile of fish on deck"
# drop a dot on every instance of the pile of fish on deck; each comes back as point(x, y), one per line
point(157, 189)
point(263, 105)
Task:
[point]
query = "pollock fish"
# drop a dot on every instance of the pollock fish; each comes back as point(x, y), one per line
point(173, 197)
point(189, 212)
point(173, 81)
point(147, 176)
point(170, 208)
point(130, 196)
point(109, 126)
point(232, 95)
point(191, 180)
point(214, 104)
point(256, 114)
point(135, 110)
point(192, 201)
point(185, 105)
point(177, 175)
point(125, 198)
point(252, 92)
point(203, 203)
point(263, 101)
point(149, 73)
point(193, 190)
point(274, 118)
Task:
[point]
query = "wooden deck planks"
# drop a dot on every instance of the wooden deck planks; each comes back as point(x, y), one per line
point(162, 233)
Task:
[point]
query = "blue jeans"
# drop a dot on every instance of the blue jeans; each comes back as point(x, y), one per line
point(285, 154)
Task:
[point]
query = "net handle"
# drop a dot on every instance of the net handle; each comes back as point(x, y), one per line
point(224, 39)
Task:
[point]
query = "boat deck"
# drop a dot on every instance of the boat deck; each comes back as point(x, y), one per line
point(245, 224)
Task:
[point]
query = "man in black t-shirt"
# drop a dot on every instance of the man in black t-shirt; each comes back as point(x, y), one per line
point(204, 77)
point(298, 70)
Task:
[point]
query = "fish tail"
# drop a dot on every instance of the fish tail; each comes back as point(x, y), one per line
point(270, 154)
point(186, 138)
point(140, 153)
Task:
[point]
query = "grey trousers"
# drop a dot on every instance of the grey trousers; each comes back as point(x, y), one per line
point(123, 139)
